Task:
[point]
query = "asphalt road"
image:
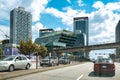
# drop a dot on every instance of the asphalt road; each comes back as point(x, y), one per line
point(77, 72)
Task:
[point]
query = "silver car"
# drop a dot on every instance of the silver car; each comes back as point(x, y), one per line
point(64, 60)
point(15, 62)
point(50, 61)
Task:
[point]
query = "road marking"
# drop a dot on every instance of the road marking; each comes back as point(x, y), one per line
point(79, 77)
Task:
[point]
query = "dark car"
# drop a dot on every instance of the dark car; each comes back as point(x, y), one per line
point(104, 65)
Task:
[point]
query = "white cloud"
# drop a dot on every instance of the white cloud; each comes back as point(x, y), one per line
point(36, 7)
point(69, 1)
point(33, 6)
point(6, 6)
point(98, 5)
point(102, 21)
point(80, 3)
point(58, 29)
point(67, 16)
point(35, 30)
point(113, 6)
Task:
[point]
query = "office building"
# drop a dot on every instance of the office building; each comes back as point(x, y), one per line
point(117, 36)
point(56, 39)
point(20, 25)
point(81, 30)
point(80, 26)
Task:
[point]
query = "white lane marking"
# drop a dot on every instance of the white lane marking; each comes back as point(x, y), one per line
point(79, 77)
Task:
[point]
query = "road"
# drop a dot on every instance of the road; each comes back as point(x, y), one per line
point(78, 72)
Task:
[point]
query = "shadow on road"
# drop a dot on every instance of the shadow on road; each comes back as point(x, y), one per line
point(91, 74)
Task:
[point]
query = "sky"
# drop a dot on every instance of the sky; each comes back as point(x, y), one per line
point(58, 15)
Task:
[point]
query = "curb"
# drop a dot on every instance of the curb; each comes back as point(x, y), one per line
point(18, 73)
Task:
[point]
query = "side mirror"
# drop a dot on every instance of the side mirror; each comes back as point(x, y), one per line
point(16, 59)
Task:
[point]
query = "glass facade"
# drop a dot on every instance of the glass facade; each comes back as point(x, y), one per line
point(117, 36)
point(81, 30)
point(57, 39)
point(20, 25)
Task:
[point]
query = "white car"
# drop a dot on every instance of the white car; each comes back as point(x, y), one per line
point(50, 61)
point(15, 62)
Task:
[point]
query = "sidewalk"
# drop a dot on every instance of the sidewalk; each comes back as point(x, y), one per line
point(32, 70)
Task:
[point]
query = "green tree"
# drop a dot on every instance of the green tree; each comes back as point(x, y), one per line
point(22, 47)
point(29, 47)
point(26, 48)
point(1, 52)
point(41, 51)
point(112, 56)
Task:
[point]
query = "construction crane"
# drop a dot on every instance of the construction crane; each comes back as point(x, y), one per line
point(4, 34)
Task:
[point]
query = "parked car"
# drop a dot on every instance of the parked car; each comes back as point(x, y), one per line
point(15, 62)
point(50, 61)
point(104, 65)
point(64, 60)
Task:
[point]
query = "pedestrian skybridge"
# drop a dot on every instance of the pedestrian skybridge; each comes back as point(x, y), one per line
point(86, 49)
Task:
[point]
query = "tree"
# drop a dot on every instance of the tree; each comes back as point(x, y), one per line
point(22, 47)
point(40, 51)
point(26, 48)
point(112, 56)
point(1, 52)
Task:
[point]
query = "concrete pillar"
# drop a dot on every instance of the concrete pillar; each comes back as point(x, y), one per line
point(86, 54)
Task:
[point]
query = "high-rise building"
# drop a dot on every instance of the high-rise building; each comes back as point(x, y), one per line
point(20, 25)
point(80, 25)
point(81, 30)
point(117, 36)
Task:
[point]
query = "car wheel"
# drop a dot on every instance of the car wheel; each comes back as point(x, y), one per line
point(113, 74)
point(28, 66)
point(52, 64)
point(94, 73)
point(11, 68)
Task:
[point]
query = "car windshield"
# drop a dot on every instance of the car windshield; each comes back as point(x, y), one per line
point(64, 58)
point(49, 57)
point(9, 58)
point(104, 60)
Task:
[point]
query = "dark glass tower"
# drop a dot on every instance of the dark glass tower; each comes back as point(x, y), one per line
point(117, 36)
point(81, 30)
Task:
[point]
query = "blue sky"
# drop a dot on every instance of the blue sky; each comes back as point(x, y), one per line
point(58, 14)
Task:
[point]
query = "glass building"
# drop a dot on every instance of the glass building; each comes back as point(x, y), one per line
point(20, 25)
point(117, 36)
point(56, 39)
point(81, 30)
point(80, 26)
